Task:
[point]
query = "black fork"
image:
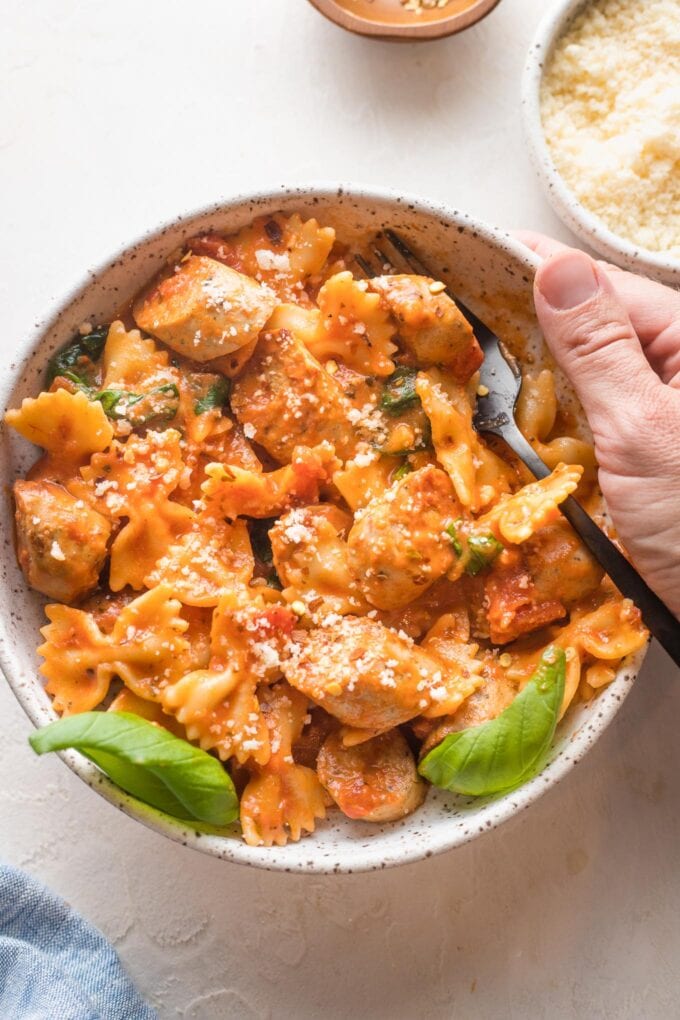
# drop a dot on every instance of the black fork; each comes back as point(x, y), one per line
point(500, 383)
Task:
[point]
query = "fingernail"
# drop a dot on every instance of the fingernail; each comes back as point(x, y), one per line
point(567, 280)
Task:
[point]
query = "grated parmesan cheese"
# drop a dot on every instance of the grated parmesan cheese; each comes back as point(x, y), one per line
point(610, 106)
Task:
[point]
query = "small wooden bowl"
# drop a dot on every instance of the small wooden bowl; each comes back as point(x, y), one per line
point(388, 19)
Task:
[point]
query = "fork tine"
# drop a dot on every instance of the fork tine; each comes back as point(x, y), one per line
point(408, 256)
point(364, 265)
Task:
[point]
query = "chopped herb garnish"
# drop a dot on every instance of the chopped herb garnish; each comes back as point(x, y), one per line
point(216, 396)
point(477, 551)
point(399, 391)
point(76, 360)
point(259, 538)
point(117, 404)
point(452, 532)
point(403, 470)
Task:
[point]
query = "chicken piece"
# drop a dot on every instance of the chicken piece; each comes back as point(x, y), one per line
point(488, 701)
point(284, 398)
point(375, 781)
point(398, 546)
point(205, 309)
point(365, 675)
point(61, 541)
point(560, 565)
point(430, 324)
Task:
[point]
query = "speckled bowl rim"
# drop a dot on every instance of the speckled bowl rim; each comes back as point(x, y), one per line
point(359, 855)
point(570, 210)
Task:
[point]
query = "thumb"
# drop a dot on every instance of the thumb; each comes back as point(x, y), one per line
point(593, 341)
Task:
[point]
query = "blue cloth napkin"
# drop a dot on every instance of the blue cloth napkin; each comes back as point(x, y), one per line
point(54, 965)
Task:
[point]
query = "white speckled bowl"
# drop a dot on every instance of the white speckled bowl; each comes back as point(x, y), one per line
point(491, 273)
point(576, 216)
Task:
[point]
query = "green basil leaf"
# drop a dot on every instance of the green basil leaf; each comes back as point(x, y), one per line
point(477, 551)
point(506, 751)
point(76, 359)
point(117, 404)
point(482, 550)
point(399, 391)
point(147, 761)
point(217, 396)
point(109, 399)
point(403, 470)
point(452, 532)
point(258, 529)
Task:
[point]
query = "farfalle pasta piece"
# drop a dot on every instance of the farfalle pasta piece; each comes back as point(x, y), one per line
point(232, 491)
point(478, 475)
point(280, 251)
point(283, 800)
point(516, 518)
point(365, 477)
point(312, 559)
point(219, 705)
point(133, 362)
point(608, 632)
point(464, 668)
point(126, 701)
point(134, 480)
point(303, 323)
point(68, 425)
point(354, 327)
point(80, 659)
point(210, 560)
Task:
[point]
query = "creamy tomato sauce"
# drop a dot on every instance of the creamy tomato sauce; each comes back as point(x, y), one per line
point(394, 12)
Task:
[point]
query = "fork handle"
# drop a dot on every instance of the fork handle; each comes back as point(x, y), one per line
point(657, 617)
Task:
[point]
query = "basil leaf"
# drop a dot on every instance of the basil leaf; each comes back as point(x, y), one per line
point(399, 391)
point(76, 359)
point(452, 532)
point(258, 529)
point(165, 410)
point(217, 396)
point(403, 470)
point(506, 751)
point(109, 399)
point(478, 551)
point(483, 550)
point(147, 761)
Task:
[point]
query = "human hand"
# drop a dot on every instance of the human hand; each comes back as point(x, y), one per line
point(617, 337)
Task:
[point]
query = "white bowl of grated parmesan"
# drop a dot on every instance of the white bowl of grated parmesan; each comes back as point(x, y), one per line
point(601, 101)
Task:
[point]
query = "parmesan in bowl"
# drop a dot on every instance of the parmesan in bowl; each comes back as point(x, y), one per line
point(602, 109)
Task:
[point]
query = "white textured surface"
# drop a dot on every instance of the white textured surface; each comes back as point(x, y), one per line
point(116, 116)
